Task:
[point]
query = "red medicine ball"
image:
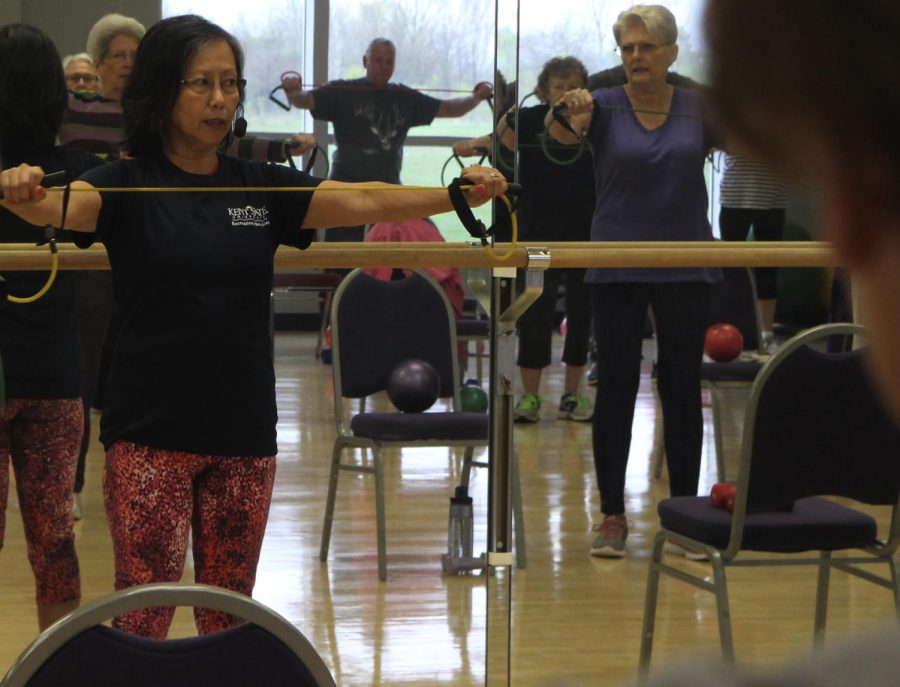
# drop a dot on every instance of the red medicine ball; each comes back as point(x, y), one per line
point(724, 342)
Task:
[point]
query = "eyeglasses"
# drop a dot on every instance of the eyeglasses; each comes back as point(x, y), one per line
point(87, 78)
point(202, 85)
point(628, 49)
point(122, 55)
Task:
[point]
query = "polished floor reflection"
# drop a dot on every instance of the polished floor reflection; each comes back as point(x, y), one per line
point(576, 620)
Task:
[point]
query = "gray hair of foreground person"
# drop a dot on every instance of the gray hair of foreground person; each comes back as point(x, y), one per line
point(658, 21)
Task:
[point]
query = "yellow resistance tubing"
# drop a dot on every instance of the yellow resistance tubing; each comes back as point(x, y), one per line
point(228, 189)
point(54, 268)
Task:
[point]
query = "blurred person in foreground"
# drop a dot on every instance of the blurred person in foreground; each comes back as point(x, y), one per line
point(834, 129)
point(825, 117)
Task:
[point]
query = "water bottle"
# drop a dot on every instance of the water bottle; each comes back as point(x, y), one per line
point(460, 526)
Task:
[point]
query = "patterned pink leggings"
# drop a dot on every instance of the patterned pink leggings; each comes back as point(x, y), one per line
point(155, 498)
point(41, 439)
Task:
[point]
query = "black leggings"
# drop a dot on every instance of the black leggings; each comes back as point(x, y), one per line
point(536, 324)
point(681, 311)
point(768, 225)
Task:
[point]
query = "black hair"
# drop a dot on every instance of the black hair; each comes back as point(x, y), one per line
point(153, 86)
point(33, 94)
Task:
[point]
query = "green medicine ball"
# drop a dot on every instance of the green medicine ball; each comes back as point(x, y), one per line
point(474, 399)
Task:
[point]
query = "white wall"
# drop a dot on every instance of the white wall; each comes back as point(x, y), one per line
point(68, 23)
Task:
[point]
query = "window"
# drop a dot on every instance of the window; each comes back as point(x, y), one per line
point(443, 49)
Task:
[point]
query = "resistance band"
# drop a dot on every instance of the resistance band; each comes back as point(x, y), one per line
point(456, 189)
point(290, 144)
point(475, 226)
point(50, 239)
point(286, 105)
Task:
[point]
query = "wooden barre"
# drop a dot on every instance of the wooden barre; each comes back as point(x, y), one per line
point(22, 256)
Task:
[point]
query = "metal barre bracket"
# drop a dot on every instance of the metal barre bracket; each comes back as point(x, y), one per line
point(538, 263)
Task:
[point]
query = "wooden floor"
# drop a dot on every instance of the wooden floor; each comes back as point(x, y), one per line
point(576, 619)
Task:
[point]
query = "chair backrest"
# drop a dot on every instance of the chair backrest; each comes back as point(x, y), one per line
point(733, 301)
point(79, 651)
point(419, 230)
point(378, 324)
point(815, 426)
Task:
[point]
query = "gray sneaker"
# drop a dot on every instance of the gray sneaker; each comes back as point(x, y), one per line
point(528, 409)
point(610, 542)
point(674, 549)
point(575, 407)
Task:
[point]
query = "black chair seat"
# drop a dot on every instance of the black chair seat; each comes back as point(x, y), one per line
point(246, 653)
point(447, 426)
point(473, 327)
point(306, 280)
point(735, 371)
point(813, 524)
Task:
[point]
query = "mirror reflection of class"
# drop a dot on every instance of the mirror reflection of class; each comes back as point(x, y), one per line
point(400, 588)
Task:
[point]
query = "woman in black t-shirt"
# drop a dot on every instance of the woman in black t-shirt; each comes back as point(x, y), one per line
point(189, 419)
point(557, 205)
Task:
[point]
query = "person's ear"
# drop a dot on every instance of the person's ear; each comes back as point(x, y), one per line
point(674, 54)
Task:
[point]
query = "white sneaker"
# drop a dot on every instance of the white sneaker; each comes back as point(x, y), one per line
point(674, 549)
point(77, 508)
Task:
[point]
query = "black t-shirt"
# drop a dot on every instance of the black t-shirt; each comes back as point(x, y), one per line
point(192, 272)
point(39, 340)
point(557, 193)
point(370, 126)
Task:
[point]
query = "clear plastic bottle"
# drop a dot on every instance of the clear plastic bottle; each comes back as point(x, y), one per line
point(461, 525)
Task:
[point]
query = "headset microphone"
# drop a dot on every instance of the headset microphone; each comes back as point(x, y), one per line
point(240, 124)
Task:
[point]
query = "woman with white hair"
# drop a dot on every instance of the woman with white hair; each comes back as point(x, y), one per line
point(649, 143)
point(112, 45)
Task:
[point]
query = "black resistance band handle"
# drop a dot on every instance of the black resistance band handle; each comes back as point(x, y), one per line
point(52, 179)
point(473, 225)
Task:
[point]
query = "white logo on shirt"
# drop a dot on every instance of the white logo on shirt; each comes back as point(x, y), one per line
point(249, 216)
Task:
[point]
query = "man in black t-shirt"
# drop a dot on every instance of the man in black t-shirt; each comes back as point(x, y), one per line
point(371, 117)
